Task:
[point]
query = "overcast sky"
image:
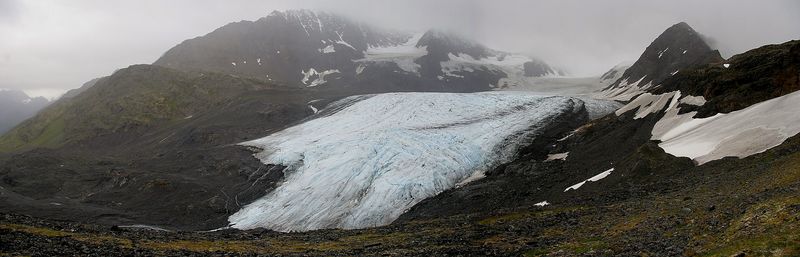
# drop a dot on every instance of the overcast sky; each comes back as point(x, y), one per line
point(50, 46)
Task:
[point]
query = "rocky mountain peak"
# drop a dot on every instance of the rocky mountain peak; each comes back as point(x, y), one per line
point(677, 48)
point(442, 43)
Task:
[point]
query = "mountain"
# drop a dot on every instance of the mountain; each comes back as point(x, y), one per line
point(677, 48)
point(312, 49)
point(745, 79)
point(614, 74)
point(281, 47)
point(16, 106)
point(537, 68)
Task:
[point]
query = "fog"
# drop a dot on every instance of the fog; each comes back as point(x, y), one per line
point(50, 46)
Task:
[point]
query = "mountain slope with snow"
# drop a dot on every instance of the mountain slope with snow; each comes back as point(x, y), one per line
point(678, 47)
point(367, 159)
point(315, 50)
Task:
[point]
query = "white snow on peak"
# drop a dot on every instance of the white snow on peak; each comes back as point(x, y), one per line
point(342, 42)
point(662, 52)
point(328, 49)
point(365, 160)
point(307, 75)
point(402, 54)
point(596, 178)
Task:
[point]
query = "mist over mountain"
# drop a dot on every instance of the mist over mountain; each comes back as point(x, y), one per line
point(16, 106)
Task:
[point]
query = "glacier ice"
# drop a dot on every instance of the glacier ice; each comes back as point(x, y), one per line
point(365, 160)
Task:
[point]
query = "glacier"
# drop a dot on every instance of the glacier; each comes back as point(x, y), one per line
point(365, 160)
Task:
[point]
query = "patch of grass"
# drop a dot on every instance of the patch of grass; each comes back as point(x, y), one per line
point(52, 136)
point(627, 224)
point(516, 216)
point(203, 246)
point(86, 238)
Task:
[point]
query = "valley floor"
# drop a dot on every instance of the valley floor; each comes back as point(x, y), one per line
point(731, 207)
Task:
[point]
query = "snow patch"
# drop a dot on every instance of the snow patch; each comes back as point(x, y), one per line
point(328, 49)
point(403, 54)
point(542, 204)
point(596, 178)
point(742, 133)
point(557, 156)
point(307, 75)
point(662, 52)
point(342, 42)
point(624, 91)
point(645, 104)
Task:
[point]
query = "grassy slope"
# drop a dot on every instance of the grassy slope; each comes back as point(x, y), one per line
point(140, 96)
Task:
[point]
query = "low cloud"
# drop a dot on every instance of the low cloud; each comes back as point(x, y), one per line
point(58, 45)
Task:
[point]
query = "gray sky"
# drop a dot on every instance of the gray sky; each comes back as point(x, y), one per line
point(50, 46)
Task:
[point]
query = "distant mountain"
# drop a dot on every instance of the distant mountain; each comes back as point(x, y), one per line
point(16, 106)
point(312, 49)
point(614, 73)
point(677, 48)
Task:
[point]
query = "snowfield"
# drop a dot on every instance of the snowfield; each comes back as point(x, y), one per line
point(403, 54)
point(742, 133)
point(365, 160)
